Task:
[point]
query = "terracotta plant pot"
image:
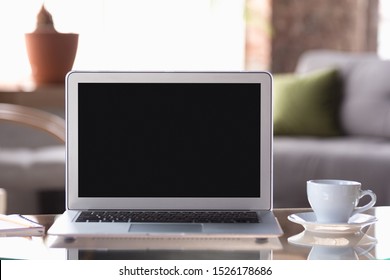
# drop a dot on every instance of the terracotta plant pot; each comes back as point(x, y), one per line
point(51, 55)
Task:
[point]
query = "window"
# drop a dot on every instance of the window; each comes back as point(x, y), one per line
point(131, 34)
point(384, 29)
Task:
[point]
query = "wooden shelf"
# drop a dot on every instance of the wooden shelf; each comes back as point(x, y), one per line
point(38, 97)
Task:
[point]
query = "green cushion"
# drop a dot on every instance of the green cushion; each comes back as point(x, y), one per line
point(307, 104)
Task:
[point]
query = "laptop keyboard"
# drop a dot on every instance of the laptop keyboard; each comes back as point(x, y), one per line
point(168, 217)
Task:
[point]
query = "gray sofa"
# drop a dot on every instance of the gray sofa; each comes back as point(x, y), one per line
point(361, 153)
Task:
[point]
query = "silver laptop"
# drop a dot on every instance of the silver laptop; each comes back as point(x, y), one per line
point(168, 154)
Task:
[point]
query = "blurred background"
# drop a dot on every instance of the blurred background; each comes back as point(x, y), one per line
point(195, 34)
point(154, 35)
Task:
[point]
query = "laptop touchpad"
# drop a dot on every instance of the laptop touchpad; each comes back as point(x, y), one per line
point(164, 228)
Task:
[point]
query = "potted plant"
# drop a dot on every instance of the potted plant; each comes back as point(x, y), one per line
point(51, 53)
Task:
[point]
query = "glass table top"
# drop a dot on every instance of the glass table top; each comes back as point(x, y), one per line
point(365, 238)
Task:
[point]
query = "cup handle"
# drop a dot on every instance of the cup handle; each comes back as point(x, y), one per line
point(368, 205)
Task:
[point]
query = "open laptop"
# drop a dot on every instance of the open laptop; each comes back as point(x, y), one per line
point(168, 154)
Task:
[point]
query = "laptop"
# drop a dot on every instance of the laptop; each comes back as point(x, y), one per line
point(168, 154)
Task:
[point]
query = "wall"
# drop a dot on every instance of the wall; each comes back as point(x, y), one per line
point(258, 34)
point(299, 25)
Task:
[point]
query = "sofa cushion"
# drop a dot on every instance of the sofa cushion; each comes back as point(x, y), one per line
point(307, 104)
point(365, 109)
point(38, 169)
point(299, 159)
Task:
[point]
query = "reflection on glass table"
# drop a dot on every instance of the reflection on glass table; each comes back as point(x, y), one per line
point(372, 242)
point(337, 246)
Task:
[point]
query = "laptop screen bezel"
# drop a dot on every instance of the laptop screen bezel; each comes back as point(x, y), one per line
point(75, 202)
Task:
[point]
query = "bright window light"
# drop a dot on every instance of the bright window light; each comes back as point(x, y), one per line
point(131, 34)
point(384, 29)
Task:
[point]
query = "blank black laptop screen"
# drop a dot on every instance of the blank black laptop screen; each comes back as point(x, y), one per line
point(169, 140)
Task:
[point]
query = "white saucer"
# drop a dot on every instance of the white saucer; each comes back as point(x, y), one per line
point(355, 224)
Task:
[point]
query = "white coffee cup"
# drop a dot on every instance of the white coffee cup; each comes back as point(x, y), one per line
point(335, 201)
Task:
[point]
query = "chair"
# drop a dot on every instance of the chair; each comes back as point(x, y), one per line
point(45, 121)
point(27, 170)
